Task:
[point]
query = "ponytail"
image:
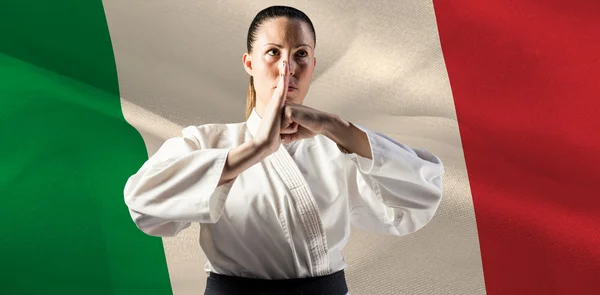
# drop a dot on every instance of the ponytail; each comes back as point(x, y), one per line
point(251, 98)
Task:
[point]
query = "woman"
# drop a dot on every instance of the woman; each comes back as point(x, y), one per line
point(275, 195)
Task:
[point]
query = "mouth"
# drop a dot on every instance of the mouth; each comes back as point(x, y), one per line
point(291, 89)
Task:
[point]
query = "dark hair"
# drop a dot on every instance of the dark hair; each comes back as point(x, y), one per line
point(263, 16)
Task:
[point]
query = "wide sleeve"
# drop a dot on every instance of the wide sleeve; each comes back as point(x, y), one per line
point(178, 185)
point(398, 191)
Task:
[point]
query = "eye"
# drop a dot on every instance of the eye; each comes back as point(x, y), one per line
point(302, 53)
point(273, 51)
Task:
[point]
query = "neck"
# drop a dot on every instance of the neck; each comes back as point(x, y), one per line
point(259, 107)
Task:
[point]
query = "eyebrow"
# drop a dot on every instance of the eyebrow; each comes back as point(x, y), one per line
point(279, 46)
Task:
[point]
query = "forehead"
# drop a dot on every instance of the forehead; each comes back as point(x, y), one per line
point(282, 30)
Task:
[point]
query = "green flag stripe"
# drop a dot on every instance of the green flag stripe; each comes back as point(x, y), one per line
point(66, 154)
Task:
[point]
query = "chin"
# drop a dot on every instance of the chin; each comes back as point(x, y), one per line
point(295, 97)
point(294, 100)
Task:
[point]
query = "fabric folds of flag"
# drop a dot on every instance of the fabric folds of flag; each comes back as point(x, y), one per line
point(505, 92)
point(66, 153)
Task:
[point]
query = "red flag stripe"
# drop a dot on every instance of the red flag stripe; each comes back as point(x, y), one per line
point(525, 76)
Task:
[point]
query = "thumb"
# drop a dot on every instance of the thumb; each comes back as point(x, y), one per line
point(280, 93)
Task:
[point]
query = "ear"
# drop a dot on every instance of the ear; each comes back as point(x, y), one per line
point(314, 63)
point(247, 61)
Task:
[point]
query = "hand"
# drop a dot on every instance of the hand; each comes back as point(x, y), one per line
point(301, 122)
point(268, 136)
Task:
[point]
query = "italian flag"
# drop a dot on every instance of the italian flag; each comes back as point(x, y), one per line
point(505, 92)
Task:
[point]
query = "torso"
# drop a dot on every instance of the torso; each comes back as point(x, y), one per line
point(285, 217)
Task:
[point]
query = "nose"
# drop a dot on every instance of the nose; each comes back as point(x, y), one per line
point(291, 62)
point(292, 68)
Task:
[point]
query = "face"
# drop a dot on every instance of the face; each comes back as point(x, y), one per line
point(277, 40)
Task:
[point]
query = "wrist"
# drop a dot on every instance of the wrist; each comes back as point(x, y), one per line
point(348, 137)
point(260, 148)
point(334, 126)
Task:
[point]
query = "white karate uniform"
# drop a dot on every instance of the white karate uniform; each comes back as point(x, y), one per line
point(288, 216)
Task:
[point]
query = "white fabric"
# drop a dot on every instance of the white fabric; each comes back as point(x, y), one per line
point(288, 216)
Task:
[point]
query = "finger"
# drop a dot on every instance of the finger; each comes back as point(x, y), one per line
point(283, 83)
point(287, 138)
point(286, 121)
point(279, 95)
point(293, 128)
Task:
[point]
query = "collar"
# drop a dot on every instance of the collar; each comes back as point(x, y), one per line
point(253, 122)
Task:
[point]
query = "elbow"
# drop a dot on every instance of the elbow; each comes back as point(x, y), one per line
point(431, 195)
point(157, 227)
point(153, 231)
point(430, 207)
point(410, 220)
point(436, 195)
point(148, 223)
point(423, 217)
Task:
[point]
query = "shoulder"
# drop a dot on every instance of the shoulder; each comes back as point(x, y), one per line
point(211, 129)
point(214, 135)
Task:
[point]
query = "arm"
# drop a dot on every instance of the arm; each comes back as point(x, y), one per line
point(392, 189)
point(185, 181)
point(348, 137)
point(241, 158)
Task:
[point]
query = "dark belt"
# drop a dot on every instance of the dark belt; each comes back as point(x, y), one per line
point(333, 284)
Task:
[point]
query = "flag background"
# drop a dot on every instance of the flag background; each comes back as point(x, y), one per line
point(66, 151)
point(503, 92)
point(525, 78)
